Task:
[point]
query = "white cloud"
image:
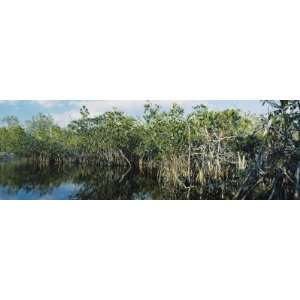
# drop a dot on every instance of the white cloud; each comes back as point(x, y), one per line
point(134, 108)
point(46, 103)
point(63, 119)
point(97, 107)
point(8, 101)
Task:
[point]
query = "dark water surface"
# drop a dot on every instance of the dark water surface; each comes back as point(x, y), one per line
point(20, 179)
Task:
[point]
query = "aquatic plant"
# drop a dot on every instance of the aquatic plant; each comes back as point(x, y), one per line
point(227, 154)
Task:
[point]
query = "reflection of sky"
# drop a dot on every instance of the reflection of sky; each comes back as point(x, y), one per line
point(63, 192)
point(65, 111)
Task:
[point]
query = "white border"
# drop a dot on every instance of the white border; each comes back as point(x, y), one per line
point(149, 250)
point(137, 50)
point(200, 50)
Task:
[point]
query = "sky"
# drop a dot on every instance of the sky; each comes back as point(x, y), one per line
point(65, 111)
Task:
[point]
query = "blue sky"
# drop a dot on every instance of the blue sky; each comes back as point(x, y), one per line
point(65, 111)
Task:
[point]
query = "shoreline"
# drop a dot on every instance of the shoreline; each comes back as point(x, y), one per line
point(6, 156)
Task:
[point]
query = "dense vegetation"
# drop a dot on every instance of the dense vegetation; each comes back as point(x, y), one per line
point(219, 154)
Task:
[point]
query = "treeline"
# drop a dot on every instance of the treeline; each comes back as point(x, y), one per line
point(205, 150)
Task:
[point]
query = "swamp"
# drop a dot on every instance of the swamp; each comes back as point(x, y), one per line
point(164, 154)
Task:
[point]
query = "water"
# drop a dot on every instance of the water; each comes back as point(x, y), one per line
point(22, 180)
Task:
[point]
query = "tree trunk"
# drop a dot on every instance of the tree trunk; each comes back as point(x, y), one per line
point(297, 188)
point(123, 155)
point(189, 157)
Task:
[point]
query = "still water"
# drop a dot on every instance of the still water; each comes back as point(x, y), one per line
point(24, 180)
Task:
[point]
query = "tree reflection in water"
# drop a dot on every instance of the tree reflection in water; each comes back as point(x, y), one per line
point(23, 180)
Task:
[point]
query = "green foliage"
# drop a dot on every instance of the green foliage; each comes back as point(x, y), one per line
point(202, 150)
point(12, 135)
point(276, 167)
